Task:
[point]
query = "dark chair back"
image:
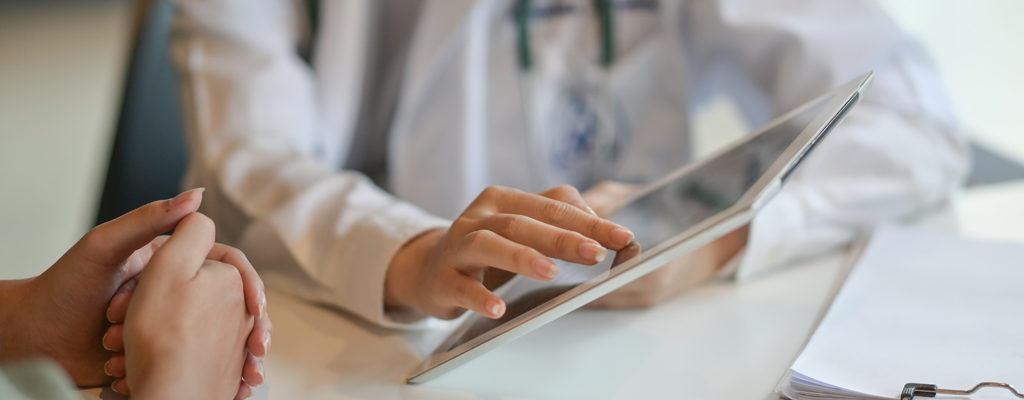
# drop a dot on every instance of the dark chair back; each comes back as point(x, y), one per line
point(149, 155)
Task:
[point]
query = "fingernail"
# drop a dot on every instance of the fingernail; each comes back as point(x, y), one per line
point(104, 341)
point(263, 305)
point(545, 268)
point(113, 386)
point(107, 313)
point(106, 369)
point(591, 210)
point(266, 345)
point(263, 377)
point(622, 236)
point(496, 308)
point(128, 287)
point(592, 251)
point(186, 196)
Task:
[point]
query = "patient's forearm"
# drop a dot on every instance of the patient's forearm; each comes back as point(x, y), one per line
point(11, 295)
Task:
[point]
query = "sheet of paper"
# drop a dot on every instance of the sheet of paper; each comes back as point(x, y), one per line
point(924, 307)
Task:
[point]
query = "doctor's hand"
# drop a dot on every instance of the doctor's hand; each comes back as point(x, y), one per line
point(186, 327)
point(504, 231)
point(60, 313)
point(671, 279)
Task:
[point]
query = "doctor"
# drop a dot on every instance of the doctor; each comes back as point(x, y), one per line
point(351, 148)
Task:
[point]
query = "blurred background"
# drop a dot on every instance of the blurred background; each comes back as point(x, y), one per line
point(63, 69)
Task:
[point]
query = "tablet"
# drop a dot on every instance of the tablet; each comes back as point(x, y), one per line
point(685, 210)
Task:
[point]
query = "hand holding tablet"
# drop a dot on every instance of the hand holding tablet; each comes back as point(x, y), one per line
point(678, 215)
point(442, 273)
point(674, 278)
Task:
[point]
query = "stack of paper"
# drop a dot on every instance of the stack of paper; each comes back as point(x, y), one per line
point(918, 307)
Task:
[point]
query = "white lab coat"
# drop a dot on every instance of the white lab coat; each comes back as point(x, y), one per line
point(274, 139)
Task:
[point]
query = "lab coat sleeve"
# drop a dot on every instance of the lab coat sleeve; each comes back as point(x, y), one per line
point(251, 111)
point(897, 153)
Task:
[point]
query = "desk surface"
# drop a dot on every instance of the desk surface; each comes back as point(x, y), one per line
point(721, 341)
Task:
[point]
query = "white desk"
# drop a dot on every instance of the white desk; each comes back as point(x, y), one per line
point(994, 212)
point(721, 341)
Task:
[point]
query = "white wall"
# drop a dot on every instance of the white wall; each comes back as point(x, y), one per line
point(60, 78)
point(979, 47)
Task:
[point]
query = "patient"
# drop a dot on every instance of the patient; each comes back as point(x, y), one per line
point(196, 325)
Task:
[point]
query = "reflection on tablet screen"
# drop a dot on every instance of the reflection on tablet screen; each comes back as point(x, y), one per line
point(658, 216)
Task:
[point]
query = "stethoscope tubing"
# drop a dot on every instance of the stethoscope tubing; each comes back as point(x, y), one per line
point(538, 163)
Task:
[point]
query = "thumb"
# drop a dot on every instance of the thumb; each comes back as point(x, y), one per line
point(112, 242)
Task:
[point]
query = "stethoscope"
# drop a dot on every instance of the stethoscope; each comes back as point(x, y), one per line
point(605, 14)
point(602, 103)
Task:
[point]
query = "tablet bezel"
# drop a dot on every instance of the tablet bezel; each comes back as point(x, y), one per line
point(735, 216)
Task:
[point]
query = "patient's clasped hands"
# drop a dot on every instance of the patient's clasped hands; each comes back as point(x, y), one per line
point(198, 316)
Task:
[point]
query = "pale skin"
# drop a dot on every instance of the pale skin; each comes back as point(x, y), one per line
point(505, 231)
point(258, 342)
point(186, 327)
point(63, 313)
point(442, 273)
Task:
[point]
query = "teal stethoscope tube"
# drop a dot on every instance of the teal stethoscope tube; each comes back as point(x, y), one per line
point(523, 12)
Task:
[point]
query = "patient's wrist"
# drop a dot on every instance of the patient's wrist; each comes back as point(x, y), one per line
point(12, 302)
point(165, 377)
point(153, 388)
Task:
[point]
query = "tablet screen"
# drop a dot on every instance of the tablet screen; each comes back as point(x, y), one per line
point(658, 216)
